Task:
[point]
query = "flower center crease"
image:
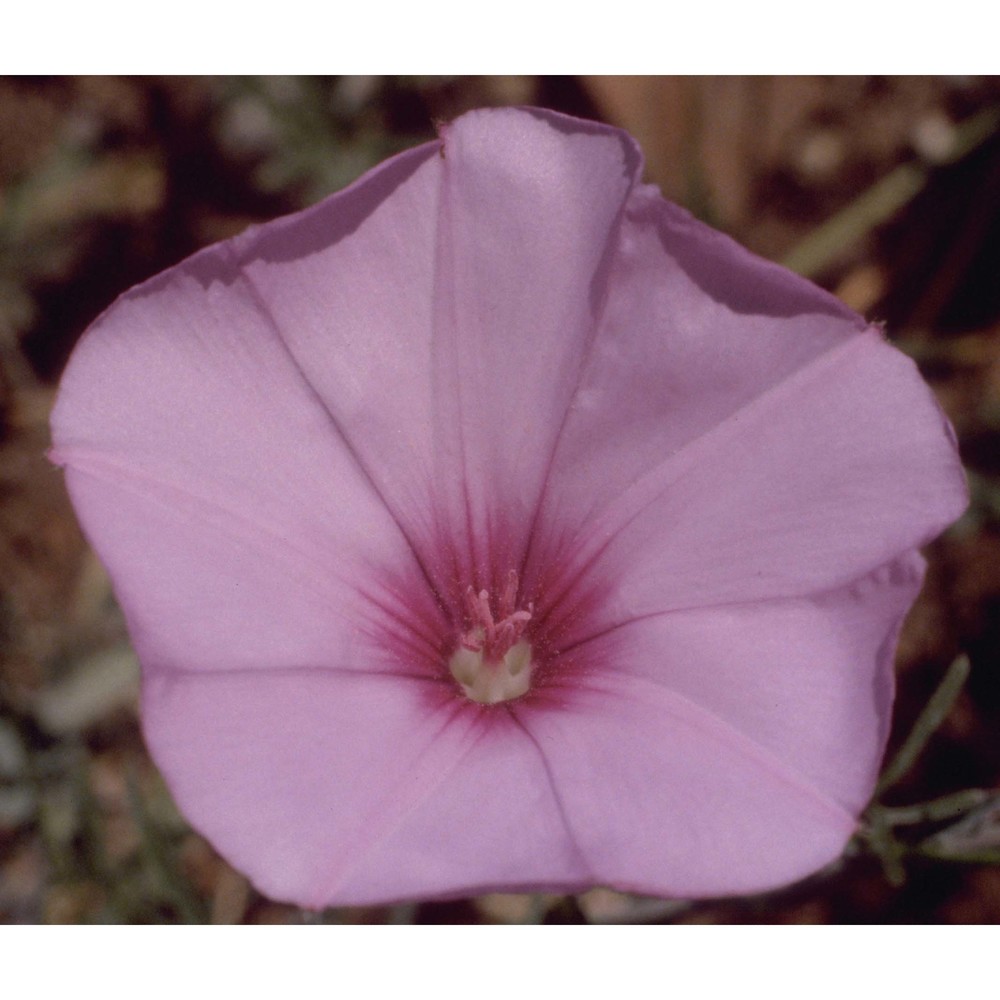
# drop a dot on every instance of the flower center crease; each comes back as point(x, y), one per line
point(492, 662)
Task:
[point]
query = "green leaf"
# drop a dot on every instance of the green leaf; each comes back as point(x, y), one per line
point(884, 199)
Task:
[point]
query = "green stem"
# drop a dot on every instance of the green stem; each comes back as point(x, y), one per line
point(934, 811)
point(927, 723)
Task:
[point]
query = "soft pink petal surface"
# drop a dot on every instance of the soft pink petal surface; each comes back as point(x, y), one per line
point(739, 434)
point(686, 806)
point(446, 360)
point(529, 219)
point(694, 328)
point(337, 788)
point(350, 285)
point(808, 680)
point(811, 485)
point(207, 474)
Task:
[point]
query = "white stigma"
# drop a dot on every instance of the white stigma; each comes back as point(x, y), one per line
point(489, 683)
point(492, 661)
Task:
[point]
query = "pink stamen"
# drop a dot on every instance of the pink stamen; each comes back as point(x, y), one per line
point(485, 635)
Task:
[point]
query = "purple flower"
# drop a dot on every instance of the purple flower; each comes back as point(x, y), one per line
point(495, 525)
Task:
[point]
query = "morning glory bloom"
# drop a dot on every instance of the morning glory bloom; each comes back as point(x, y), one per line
point(495, 525)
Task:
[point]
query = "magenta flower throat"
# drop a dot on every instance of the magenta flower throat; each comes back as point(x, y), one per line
point(494, 525)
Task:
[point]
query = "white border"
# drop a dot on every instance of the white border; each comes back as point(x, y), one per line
point(512, 36)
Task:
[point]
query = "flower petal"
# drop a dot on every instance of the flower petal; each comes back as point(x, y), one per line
point(530, 208)
point(834, 472)
point(663, 799)
point(694, 328)
point(350, 285)
point(809, 681)
point(233, 514)
point(451, 379)
point(333, 789)
point(741, 439)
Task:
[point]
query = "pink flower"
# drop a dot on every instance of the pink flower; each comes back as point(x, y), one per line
point(495, 525)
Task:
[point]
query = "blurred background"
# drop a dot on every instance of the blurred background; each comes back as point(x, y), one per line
point(884, 190)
